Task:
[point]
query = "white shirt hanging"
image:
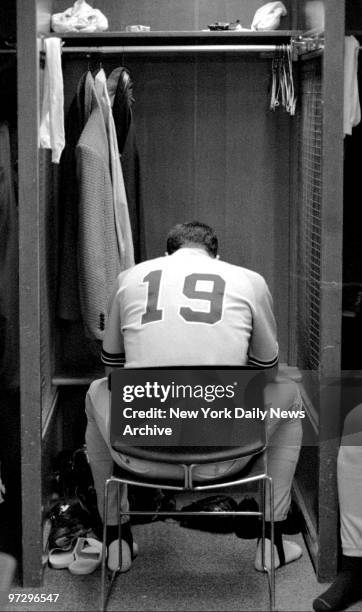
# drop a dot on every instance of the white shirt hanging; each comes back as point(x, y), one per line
point(121, 214)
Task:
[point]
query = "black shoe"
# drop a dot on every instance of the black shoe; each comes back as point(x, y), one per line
point(69, 521)
point(213, 524)
point(247, 527)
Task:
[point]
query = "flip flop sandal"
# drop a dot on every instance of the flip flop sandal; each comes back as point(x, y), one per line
point(60, 559)
point(87, 556)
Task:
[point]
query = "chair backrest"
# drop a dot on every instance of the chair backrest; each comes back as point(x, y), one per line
point(214, 413)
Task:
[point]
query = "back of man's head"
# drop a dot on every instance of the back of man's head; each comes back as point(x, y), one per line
point(192, 234)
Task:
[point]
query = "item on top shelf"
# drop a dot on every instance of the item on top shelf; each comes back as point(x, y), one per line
point(225, 26)
point(236, 26)
point(138, 28)
point(81, 17)
point(218, 25)
point(267, 17)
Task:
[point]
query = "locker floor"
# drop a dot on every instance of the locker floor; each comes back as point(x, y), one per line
point(184, 570)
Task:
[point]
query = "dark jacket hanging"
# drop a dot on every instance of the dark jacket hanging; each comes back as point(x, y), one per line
point(68, 290)
point(120, 86)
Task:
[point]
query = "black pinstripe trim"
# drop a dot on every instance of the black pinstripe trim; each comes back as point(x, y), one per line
point(112, 359)
point(263, 364)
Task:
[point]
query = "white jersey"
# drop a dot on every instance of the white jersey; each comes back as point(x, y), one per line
point(190, 309)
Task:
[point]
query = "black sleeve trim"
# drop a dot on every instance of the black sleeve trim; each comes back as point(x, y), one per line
point(263, 364)
point(112, 359)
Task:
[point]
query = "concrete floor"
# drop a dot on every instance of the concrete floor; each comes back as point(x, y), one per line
point(185, 570)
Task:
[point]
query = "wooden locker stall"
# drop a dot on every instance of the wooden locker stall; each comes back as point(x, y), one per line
point(318, 223)
point(210, 149)
point(9, 336)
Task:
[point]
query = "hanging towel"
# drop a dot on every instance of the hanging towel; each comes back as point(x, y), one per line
point(52, 114)
point(352, 109)
point(121, 216)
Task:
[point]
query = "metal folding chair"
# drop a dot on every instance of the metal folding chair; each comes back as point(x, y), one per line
point(252, 442)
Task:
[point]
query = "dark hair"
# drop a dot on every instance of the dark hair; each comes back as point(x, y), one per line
point(194, 232)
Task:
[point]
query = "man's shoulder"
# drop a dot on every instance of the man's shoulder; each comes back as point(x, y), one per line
point(240, 271)
point(141, 268)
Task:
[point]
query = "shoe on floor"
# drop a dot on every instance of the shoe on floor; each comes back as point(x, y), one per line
point(247, 527)
point(292, 552)
point(127, 557)
point(87, 556)
point(60, 559)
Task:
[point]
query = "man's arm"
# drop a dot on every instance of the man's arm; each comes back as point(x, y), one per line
point(263, 347)
point(113, 347)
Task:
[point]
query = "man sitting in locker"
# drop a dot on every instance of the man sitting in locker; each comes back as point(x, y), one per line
point(190, 308)
point(347, 587)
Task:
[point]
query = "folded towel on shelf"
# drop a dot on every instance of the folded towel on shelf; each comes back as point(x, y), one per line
point(267, 17)
point(81, 17)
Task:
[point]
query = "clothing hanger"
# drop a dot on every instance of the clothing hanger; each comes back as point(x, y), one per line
point(94, 64)
point(282, 89)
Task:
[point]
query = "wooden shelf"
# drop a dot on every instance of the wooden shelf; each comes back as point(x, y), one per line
point(178, 37)
point(76, 380)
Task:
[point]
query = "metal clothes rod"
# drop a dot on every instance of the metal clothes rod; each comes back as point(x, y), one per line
point(7, 51)
point(174, 48)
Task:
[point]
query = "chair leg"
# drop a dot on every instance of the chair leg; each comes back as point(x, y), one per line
point(263, 502)
point(104, 592)
point(120, 560)
point(267, 481)
point(272, 553)
point(104, 546)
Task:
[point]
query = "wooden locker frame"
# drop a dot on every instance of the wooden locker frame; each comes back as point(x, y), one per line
point(32, 19)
